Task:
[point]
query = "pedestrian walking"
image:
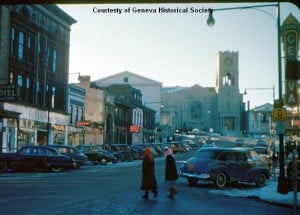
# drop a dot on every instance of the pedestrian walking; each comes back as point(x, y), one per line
point(171, 174)
point(148, 174)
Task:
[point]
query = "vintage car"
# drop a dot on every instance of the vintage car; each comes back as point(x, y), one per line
point(36, 158)
point(224, 165)
point(79, 157)
point(177, 146)
point(96, 154)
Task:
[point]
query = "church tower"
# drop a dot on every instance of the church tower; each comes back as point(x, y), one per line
point(229, 105)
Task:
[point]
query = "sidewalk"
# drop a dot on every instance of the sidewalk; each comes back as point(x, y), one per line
point(267, 193)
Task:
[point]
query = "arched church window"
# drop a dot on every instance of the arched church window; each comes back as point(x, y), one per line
point(228, 80)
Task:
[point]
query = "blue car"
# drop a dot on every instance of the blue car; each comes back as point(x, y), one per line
point(224, 165)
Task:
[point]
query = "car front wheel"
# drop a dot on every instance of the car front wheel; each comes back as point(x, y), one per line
point(261, 180)
point(221, 180)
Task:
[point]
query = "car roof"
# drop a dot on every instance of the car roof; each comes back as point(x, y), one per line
point(41, 147)
point(234, 149)
point(60, 145)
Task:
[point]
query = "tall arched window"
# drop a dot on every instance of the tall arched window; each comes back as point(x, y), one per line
point(228, 80)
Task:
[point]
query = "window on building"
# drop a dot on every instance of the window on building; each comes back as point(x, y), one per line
point(30, 52)
point(12, 41)
point(50, 95)
point(20, 81)
point(125, 79)
point(53, 96)
point(227, 80)
point(54, 58)
point(263, 118)
point(81, 111)
point(24, 88)
point(21, 45)
point(196, 110)
point(41, 51)
point(70, 113)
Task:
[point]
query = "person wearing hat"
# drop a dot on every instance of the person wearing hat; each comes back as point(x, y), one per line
point(148, 174)
point(171, 174)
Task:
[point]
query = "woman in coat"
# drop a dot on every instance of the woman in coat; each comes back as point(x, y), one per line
point(148, 178)
point(171, 174)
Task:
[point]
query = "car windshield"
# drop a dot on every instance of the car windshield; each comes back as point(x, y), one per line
point(204, 154)
point(91, 148)
point(261, 150)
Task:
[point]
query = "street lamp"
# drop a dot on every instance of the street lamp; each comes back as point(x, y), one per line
point(282, 186)
point(262, 88)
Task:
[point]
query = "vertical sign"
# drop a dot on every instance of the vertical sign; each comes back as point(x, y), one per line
point(290, 32)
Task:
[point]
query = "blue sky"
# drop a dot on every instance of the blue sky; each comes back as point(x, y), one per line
point(178, 48)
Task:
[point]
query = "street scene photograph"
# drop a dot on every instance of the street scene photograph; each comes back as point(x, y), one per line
point(158, 108)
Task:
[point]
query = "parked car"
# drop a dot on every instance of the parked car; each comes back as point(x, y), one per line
point(119, 155)
point(36, 158)
point(223, 165)
point(96, 154)
point(144, 145)
point(264, 154)
point(78, 156)
point(158, 148)
point(137, 149)
point(257, 157)
point(262, 143)
point(192, 143)
point(177, 146)
point(209, 143)
point(122, 151)
point(239, 142)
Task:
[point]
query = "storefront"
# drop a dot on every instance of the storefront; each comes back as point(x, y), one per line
point(30, 127)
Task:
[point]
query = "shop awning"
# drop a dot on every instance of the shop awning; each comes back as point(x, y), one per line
point(9, 114)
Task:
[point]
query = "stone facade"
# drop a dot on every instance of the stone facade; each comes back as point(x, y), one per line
point(210, 109)
point(230, 100)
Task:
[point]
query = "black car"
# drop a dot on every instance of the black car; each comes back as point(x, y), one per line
point(176, 146)
point(79, 157)
point(122, 151)
point(96, 154)
point(36, 158)
point(224, 165)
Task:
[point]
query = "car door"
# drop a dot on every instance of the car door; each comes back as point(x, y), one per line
point(28, 157)
point(230, 162)
point(243, 165)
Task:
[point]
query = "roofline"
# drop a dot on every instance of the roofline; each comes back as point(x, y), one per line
point(60, 13)
point(127, 72)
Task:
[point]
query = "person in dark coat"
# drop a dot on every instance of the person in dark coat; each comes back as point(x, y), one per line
point(148, 174)
point(171, 174)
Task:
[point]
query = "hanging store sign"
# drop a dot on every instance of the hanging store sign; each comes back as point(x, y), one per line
point(291, 96)
point(134, 129)
point(83, 123)
point(8, 93)
point(290, 34)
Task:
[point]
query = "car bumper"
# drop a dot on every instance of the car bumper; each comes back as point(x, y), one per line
point(202, 176)
point(84, 162)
